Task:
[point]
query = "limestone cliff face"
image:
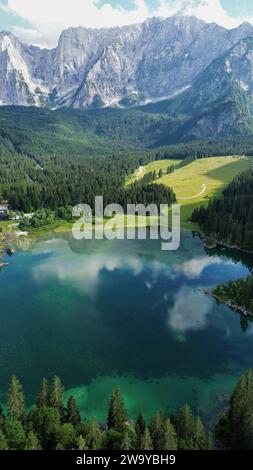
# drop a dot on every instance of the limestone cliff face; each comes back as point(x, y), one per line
point(221, 98)
point(100, 67)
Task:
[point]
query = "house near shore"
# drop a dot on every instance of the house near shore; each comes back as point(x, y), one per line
point(3, 210)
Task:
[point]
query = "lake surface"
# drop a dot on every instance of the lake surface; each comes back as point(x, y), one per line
point(107, 313)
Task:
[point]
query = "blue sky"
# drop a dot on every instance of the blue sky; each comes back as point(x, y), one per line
point(234, 7)
point(41, 21)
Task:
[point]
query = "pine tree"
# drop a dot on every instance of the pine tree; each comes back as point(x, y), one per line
point(117, 415)
point(15, 434)
point(140, 427)
point(157, 430)
point(73, 414)
point(43, 397)
point(126, 443)
point(200, 438)
point(66, 437)
point(3, 441)
point(185, 429)
point(2, 417)
point(15, 399)
point(170, 437)
point(81, 443)
point(209, 441)
point(56, 394)
point(45, 423)
point(146, 441)
point(32, 442)
point(94, 436)
point(235, 429)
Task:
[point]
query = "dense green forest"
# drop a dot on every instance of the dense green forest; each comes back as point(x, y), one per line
point(239, 292)
point(50, 424)
point(230, 218)
point(136, 193)
point(51, 159)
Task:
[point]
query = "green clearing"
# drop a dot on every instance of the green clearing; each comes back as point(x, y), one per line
point(153, 166)
point(187, 182)
point(118, 222)
point(4, 224)
point(214, 172)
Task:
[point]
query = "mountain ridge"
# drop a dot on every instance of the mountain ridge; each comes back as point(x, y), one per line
point(101, 67)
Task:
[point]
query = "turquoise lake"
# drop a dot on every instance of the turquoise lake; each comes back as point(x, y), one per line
point(106, 313)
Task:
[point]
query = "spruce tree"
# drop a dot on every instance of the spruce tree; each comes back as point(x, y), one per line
point(94, 436)
point(56, 393)
point(210, 441)
point(15, 399)
point(45, 423)
point(170, 437)
point(140, 427)
point(185, 429)
point(200, 438)
point(32, 442)
point(3, 441)
point(66, 437)
point(117, 415)
point(73, 415)
point(81, 443)
point(145, 441)
point(44, 393)
point(15, 434)
point(2, 417)
point(127, 443)
point(235, 429)
point(157, 430)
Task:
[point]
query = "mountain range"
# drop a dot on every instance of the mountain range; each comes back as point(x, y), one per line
point(200, 73)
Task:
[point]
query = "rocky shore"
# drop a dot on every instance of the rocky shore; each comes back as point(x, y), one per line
point(237, 308)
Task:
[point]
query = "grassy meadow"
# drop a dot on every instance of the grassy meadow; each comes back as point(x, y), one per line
point(215, 173)
point(153, 166)
point(193, 185)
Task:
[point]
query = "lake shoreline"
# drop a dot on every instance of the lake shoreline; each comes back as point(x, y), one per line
point(108, 302)
point(237, 308)
point(219, 243)
point(12, 236)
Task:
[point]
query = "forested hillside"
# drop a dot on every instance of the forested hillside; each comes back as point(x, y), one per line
point(230, 218)
point(53, 159)
point(239, 292)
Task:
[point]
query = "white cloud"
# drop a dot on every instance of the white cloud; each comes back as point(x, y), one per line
point(49, 17)
point(210, 11)
point(194, 268)
point(190, 311)
point(81, 272)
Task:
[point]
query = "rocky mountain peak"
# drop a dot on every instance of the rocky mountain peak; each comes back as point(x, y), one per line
point(97, 67)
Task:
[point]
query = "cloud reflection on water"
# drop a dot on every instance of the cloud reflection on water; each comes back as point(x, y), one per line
point(194, 268)
point(190, 310)
point(81, 271)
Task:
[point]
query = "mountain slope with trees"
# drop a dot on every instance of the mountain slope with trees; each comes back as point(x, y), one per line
point(53, 159)
point(220, 100)
point(229, 219)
